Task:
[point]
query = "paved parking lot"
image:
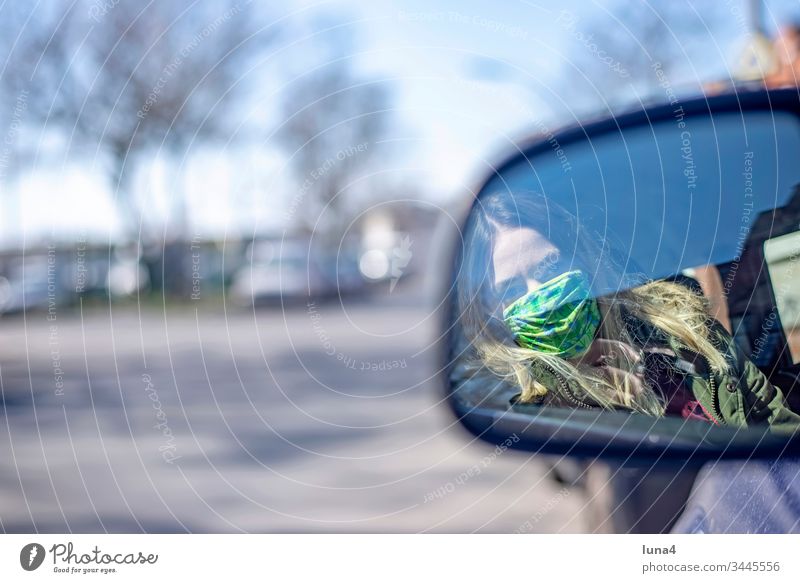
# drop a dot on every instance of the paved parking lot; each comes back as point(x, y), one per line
point(197, 418)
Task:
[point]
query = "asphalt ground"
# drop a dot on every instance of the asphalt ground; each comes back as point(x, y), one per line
point(203, 417)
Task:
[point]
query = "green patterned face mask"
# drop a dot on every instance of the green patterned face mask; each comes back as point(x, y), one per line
point(560, 317)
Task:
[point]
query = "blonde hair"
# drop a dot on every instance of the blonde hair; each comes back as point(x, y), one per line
point(658, 312)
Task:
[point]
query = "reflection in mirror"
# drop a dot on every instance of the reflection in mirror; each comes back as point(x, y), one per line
point(625, 271)
point(549, 314)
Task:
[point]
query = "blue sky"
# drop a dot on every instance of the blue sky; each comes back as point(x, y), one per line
point(468, 77)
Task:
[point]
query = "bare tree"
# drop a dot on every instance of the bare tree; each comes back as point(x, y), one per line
point(636, 51)
point(333, 124)
point(121, 78)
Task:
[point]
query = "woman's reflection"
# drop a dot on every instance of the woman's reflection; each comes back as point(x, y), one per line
point(544, 307)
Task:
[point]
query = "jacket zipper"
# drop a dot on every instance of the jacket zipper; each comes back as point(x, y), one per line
point(566, 390)
point(714, 394)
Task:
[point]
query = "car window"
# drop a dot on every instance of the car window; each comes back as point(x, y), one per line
point(783, 260)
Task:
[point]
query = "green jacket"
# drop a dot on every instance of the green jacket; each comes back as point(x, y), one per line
point(743, 397)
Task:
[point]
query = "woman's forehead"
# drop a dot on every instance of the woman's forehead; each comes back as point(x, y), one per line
point(518, 250)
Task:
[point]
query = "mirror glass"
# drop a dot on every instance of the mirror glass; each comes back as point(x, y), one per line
point(649, 270)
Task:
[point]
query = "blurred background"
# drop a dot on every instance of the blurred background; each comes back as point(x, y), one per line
point(218, 228)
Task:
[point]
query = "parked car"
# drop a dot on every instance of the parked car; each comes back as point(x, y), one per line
point(279, 270)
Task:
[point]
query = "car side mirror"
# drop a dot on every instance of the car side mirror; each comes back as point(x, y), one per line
point(580, 264)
